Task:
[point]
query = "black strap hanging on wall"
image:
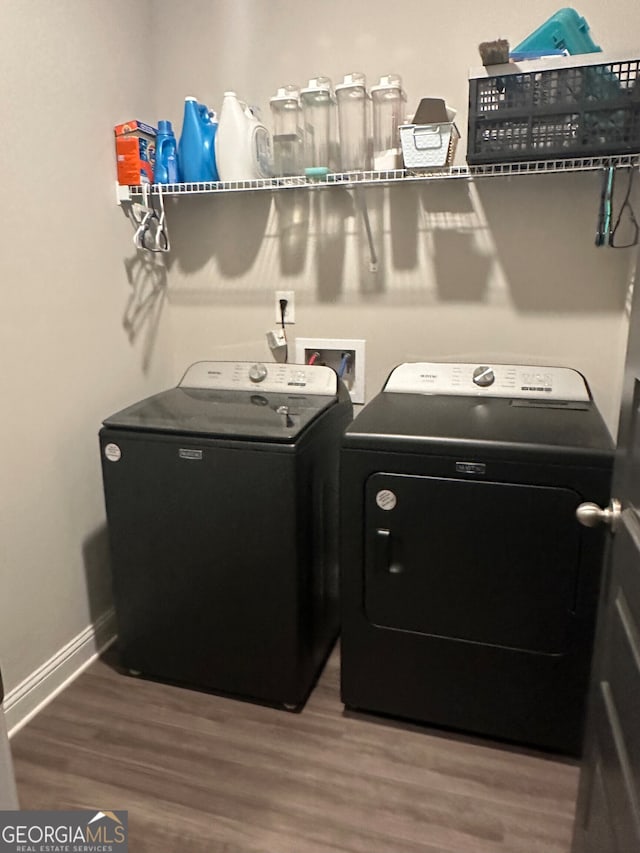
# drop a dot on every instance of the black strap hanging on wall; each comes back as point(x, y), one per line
point(626, 206)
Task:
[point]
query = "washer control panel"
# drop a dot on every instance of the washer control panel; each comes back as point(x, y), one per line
point(249, 375)
point(496, 380)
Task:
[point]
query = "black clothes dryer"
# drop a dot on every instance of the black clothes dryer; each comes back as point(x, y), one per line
point(222, 509)
point(469, 589)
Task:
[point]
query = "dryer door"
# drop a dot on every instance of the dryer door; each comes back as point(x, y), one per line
point(484, 562)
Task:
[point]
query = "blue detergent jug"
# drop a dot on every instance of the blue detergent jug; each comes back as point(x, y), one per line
point(196, 150)
point(166, 171)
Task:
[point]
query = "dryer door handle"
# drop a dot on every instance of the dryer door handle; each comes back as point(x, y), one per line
point(383, 553)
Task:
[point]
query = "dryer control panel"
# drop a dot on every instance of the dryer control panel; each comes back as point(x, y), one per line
point(249, 375)
point(489, 380)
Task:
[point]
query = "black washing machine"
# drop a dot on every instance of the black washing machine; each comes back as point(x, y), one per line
point(469, 589)
point(221, 498)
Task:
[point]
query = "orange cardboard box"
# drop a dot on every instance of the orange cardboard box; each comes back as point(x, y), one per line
point(135, 152)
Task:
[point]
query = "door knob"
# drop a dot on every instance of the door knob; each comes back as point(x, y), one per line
point(590, 514)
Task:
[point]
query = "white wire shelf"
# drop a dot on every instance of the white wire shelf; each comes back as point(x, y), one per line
point(360, 179)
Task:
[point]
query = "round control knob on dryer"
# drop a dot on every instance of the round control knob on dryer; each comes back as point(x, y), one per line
point(484, 376)
point(257, 372)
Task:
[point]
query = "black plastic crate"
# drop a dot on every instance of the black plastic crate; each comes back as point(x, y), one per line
point(554, 110)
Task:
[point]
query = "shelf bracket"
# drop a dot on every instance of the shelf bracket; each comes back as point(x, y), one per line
point(123, 193)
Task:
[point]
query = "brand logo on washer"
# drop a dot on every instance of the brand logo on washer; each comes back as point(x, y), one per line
point(112, 452)
point(477, 468)
point(187, 453)
point(386, 499)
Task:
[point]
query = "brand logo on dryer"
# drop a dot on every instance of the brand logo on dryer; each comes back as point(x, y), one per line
point(188, 453)
point(477, 468)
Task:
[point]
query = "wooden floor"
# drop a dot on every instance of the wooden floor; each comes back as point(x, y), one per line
point(203, 773)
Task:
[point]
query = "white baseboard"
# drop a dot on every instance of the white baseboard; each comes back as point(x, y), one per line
point(23, 702)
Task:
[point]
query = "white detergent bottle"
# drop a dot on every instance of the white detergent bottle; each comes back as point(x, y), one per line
point(243, 143)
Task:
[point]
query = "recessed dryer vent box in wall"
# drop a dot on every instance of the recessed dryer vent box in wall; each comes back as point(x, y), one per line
point(331, 352)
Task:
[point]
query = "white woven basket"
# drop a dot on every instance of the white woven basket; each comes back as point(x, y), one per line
point(428, 146)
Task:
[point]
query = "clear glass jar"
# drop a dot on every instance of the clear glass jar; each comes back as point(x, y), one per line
point(318, 109)
point(388, 99)
point(286, 112)
point(353, 122)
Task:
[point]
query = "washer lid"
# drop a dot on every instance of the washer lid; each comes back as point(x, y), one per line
point(276, 406)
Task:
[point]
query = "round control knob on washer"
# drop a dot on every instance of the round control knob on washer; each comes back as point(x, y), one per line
point(257, 372)
point(484, 376)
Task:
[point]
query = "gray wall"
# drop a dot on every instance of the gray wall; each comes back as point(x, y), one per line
point(505, 270)
point(70, 70)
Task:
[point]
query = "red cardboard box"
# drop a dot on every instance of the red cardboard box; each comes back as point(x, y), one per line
point(135, 152)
